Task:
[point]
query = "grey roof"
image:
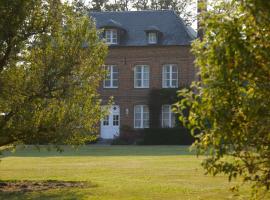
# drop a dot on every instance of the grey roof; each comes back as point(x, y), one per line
point(152, 28)
point(112, 23)
point(135, 23)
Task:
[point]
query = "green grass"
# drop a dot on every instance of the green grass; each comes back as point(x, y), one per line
point(117, 173)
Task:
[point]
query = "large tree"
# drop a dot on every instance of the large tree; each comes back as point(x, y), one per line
point(229, 109)
point(50, 69)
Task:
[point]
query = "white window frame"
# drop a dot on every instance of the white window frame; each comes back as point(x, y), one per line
point(152, 38)
point(111, 70)
point(144, 77)
point(111, 36)
point(165, 79)
point(167, 111)
point(143, 121)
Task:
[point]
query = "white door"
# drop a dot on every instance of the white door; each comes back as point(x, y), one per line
point(111, 123)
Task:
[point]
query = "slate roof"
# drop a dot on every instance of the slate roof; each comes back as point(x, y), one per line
point(135, 23)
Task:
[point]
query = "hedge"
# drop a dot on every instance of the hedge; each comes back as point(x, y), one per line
point(166, 136)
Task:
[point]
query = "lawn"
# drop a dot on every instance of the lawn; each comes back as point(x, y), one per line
point(115, 173)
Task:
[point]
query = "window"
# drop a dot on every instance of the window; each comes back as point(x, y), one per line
point(115, 120)
point(111, 36)
point(152, 38)
point(170, 76)
point(141, 116)
point(168, 117)
point(141, 76)
point(111, 80)
point(106, 121)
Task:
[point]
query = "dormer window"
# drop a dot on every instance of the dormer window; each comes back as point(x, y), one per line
point(111, 36)
point(152, 38)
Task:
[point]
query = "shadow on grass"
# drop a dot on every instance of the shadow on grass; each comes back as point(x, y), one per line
point(99, 150)
point(63, 194)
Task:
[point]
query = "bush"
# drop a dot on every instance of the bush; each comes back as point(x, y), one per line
point(166, 136)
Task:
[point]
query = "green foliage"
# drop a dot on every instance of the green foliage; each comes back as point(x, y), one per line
point(157, 98)
point(50, 60)
point(230, 106)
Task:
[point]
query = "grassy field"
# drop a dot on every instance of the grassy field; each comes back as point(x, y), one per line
point(116, 173)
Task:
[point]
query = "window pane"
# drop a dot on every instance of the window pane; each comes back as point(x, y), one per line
point(146, 69)
point(168, 83)
point(174, 83)
point(107, 83)
point(166, 116)
point(167, 69)
point(115, 120)
point(115, 83)
point(137, 123)
point(174, 75)
point(172, 119)
point(152, 38)
point(145, 83)
point(145, 117)
point(137, 109)
point(106, 121)
point(137, 116)
point(138, 76)
point(174, 69)
point(138, 69)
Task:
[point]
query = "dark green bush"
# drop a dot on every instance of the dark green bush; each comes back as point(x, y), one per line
point(166, 136)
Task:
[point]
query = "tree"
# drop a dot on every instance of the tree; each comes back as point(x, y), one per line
point(50, 60)
point(141, 4)
point(118, 5)
point(183, 8)
point(98, 5)
point(229, 109)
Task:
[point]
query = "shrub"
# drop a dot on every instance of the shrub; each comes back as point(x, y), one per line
point(166, 136)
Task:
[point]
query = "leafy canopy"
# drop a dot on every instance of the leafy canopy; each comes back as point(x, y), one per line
point(50, 60)
point(229, 108)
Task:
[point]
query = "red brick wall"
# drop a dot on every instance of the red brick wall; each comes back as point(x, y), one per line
point(126, 96)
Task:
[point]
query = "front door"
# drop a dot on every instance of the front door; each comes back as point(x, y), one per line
point(110, 124)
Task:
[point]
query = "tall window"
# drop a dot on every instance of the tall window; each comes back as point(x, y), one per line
point(111, 36)
point(170, 76)
point(111, 80)
point(141, 76)
point(141, 116)
point(152, 38)
point(168, 117)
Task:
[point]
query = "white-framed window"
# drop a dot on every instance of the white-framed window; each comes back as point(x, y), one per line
point(111, 80)
point(168, 117)
point(141, 116)
point(141, 76)
point(170, 76)
point(115, 120)
point(152, 38)
point(111, 36)
point(106, 120)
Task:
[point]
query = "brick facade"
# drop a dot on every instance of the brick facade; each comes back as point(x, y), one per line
point(126, 58)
